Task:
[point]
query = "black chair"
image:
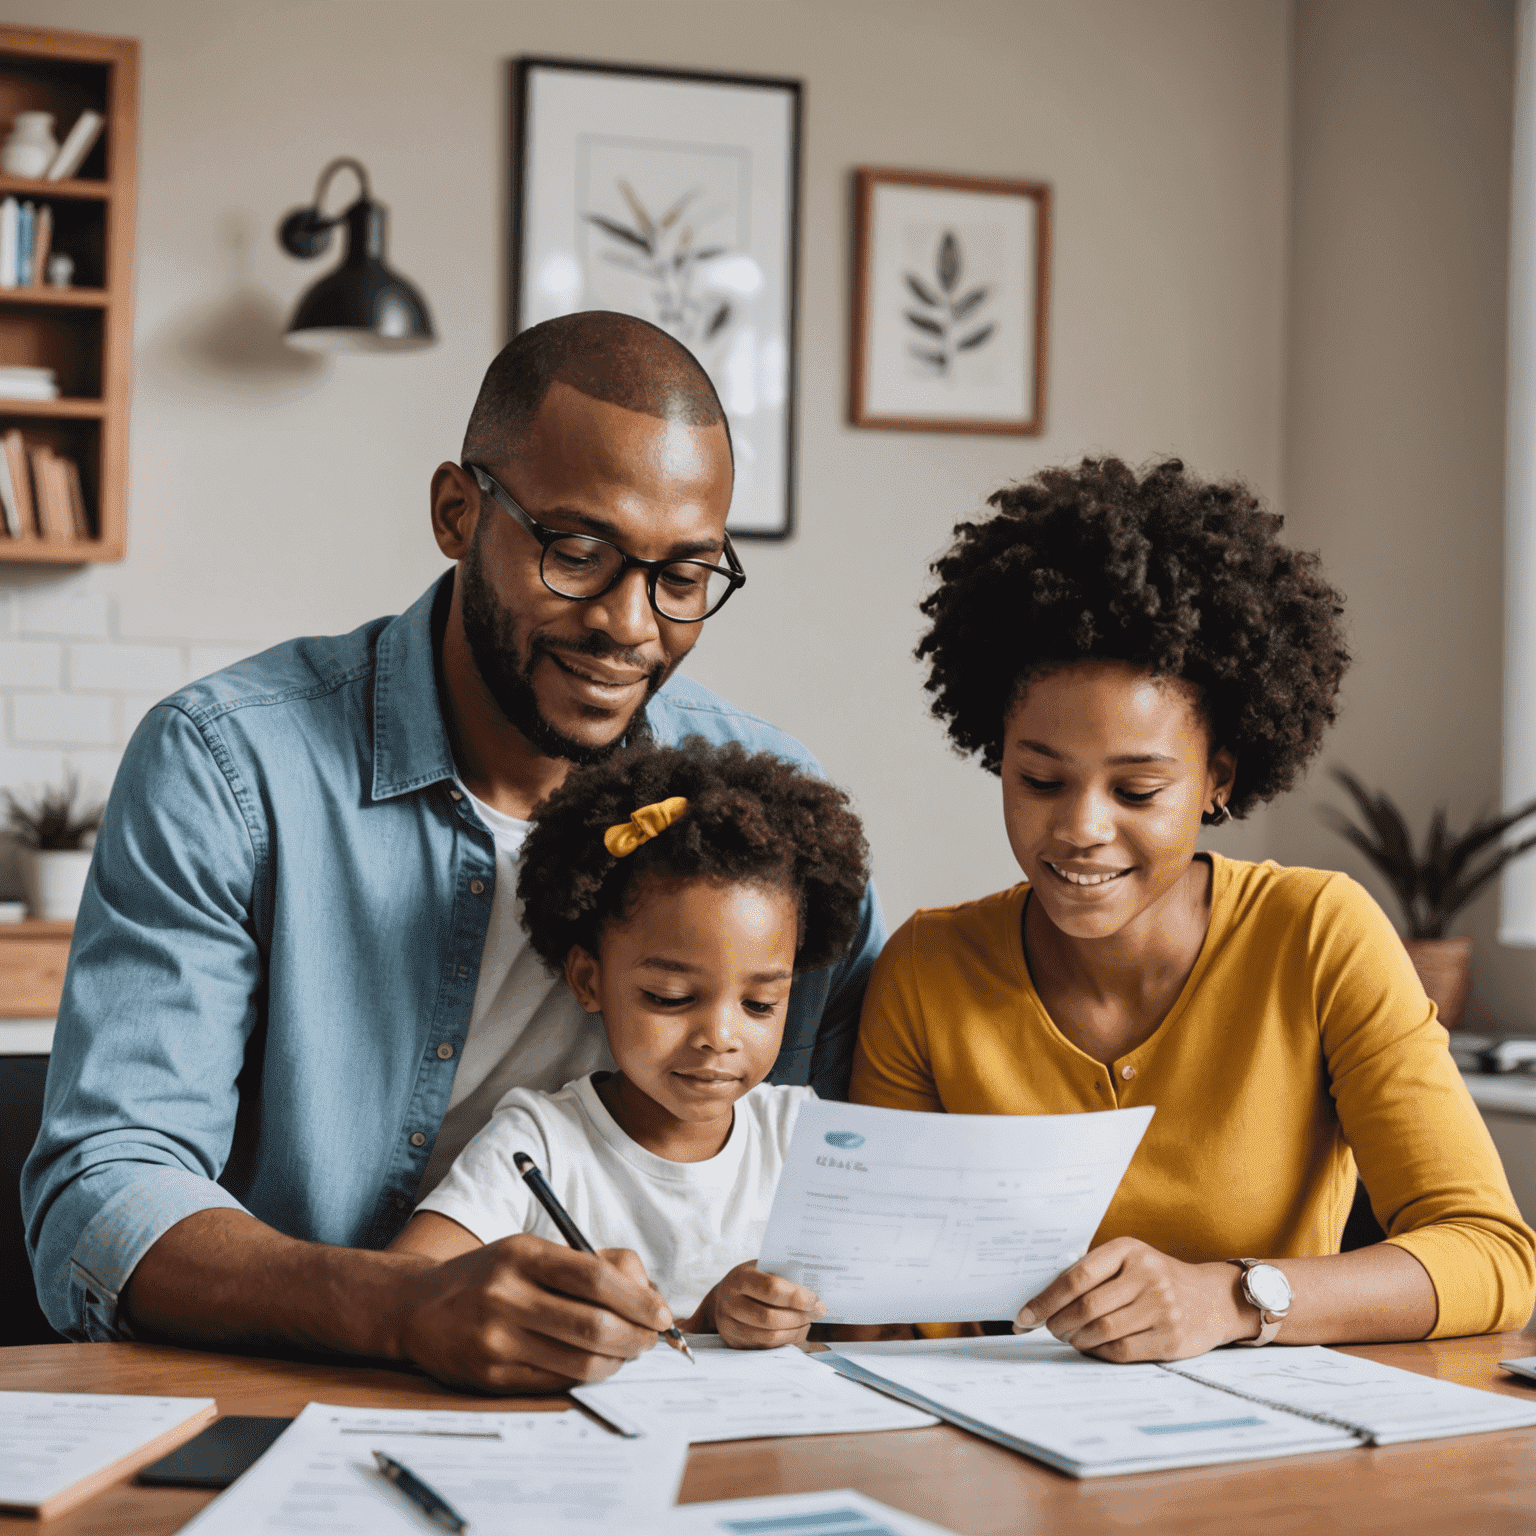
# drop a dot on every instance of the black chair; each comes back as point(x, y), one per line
point(21, 1112)
point(1361, 1228)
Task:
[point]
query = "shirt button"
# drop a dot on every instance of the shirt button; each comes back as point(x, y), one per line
point(417, 1139)
point(454, 794)
point(444, 1051)
point(477, 887)
point(1127, 1073)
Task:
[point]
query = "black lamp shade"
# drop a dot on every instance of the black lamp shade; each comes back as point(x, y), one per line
point(362, 306)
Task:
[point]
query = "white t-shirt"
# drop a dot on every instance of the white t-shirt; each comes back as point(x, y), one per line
point(526, 1030)
point(690, 1223)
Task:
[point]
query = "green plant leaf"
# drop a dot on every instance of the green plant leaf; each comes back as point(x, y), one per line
point(1483, 832)
point(1460, 894)
point(1386, 821)
point(1400, 877)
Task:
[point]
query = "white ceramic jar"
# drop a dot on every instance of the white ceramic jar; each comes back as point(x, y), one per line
point(55, 881)
point(31, 147)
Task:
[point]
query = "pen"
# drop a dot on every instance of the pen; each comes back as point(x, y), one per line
point(427, 1499)
point(571, 1232)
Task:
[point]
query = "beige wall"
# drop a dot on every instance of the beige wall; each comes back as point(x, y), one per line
point(1401, 126)
point(268, 499)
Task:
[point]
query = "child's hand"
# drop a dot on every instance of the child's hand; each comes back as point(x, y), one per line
point(753, 1310)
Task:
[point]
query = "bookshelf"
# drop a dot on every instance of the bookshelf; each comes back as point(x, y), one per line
point(84, 333)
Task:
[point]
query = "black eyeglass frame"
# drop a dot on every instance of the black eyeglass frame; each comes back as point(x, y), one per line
point(491, 486)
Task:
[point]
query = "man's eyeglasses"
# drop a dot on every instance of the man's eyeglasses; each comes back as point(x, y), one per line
point(580, 567)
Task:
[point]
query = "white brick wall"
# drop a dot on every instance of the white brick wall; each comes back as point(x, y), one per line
point(71, 691)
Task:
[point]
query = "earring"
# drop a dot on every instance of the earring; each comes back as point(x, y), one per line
point(1217, 818)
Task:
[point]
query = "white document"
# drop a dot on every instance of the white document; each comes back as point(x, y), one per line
point(54, 1444)
point(840, 1512)
point(1084, 1416)
point(740, 1394)
point(892, 1216)
point(519, 1473)
point(1525, 1367)
point(1384, 1404)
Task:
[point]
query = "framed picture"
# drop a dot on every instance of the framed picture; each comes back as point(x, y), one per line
point(674, 197)
point(951, 303)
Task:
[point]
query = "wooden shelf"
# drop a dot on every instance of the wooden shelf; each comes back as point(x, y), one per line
point(84, 334)
point(40, 191)
point(62, 409)
point(67, 298)
point(33, 955)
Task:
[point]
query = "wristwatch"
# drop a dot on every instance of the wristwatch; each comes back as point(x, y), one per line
point(1266, 1288)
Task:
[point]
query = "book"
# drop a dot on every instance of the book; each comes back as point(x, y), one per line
point(26, 232)
point(43, 246)
point(58, 1449)
point(10, 213)
point(19, 465)
point(28, 384)
point(79, 518)
point(1089, 1418)
point(76, 146)
point(10, 509)
point(51, 490)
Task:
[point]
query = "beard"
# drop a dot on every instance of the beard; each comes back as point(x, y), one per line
point(491, 632)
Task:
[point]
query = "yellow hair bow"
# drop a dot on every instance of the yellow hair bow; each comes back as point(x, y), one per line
point(643, 825)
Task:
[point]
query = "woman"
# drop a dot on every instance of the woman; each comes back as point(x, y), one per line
point(1137, 656)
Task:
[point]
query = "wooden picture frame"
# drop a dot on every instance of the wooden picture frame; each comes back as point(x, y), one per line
point(673, 195)
point(951, 303)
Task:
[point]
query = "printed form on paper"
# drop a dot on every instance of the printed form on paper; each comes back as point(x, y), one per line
point(896, 1216)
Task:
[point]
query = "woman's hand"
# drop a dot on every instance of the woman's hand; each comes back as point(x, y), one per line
point(1125, 1301)
point(753, 1310)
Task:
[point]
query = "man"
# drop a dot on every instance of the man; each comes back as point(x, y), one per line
point(298, 983)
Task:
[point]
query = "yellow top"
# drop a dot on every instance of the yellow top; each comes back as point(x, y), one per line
point(1301, 1033)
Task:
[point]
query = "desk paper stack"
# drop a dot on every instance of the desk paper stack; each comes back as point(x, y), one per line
point(518, 1473)
point(59, 1448)
point(740, 1394)
point(1092, 1419)
point(840, 1512)
point(892, 1216)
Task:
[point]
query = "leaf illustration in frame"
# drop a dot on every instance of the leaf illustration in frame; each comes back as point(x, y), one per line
point(620, 232)
point(924, 293)
point(949, 261)
point(975, 339)
point(642, 216)
point(718, 321)
point(938, 361)
point(675, 212)
point(962, 307)
point(923, 323)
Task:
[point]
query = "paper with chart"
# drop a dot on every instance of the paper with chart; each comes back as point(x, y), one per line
point(740, 1394)
point(894, 1216)
point(1084, 1416)
point(839, 1512)
point(1387, 1404)
point(57, 1448)
point(504, 1472)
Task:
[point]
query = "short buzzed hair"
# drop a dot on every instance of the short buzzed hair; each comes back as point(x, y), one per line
point(609, 356)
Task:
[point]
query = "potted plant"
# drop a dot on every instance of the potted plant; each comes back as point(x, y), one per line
point(1432, 886)
point(55, 845)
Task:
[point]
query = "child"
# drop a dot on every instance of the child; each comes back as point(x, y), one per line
point(679, 889)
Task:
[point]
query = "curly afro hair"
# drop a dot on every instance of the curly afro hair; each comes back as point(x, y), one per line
point(1183, 577)
point(752, 818)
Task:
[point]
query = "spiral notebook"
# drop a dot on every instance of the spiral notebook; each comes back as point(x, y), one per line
point(1093, 1419)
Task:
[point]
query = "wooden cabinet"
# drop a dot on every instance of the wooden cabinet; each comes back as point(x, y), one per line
point(84, 333)
point(33, 955)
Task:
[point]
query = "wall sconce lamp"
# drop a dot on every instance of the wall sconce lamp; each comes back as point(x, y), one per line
point(360, 306)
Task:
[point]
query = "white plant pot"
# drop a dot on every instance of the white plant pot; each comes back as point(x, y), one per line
point(55, 881)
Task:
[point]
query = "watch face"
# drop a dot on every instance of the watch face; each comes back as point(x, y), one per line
point(1269, 1287)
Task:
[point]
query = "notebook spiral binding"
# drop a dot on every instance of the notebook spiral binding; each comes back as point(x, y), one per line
point(1359, 1431)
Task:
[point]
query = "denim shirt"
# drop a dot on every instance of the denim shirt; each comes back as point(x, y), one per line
point(282, 926)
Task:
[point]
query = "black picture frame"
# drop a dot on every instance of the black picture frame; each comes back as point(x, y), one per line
point(536, 150)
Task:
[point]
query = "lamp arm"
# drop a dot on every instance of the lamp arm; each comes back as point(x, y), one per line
point(342, 163)
point(306, 232)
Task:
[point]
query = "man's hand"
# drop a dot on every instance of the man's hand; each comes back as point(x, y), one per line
point(753, 1310)
point(527, 1315)
point(1125, 1301)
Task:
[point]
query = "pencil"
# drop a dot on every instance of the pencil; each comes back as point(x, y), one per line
point(572, 1233)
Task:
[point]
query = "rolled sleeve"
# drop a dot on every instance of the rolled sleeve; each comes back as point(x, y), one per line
point(158, 1006)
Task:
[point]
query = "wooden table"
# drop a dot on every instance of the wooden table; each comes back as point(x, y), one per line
point(1468, 1486)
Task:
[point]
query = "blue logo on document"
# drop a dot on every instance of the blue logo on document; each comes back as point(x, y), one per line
point(847, 1139)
